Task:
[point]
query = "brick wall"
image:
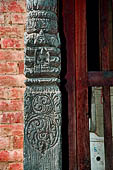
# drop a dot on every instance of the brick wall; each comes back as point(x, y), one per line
point(12, 25)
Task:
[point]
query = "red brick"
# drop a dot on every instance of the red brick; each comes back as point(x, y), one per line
point(18, 18)
point(3, 166)
point(11, 93)
point(7, 19)
point(12, 80)
point(12, 6)
point(11, 117)
point(16, 93)
point(21, 67)
point(11, 55)
point(5, 142)
point(12, 43)
point(8, 68)
point(11, 105)
point(16, 6)
point(18, 142)
point(12, 31)
point(3, 93)
point(3, 7)
point(11, 130)
point(1, 18)
point(15, 166)
point(16, 155)
point(12, 24)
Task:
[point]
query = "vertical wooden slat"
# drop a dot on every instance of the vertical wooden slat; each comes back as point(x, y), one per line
point(105, 47)
point(83, 144)
point(69, 33)
point(107, 129)
point(110, 36)
point(106, 34)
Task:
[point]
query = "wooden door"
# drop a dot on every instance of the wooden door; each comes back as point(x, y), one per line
point(79, 79)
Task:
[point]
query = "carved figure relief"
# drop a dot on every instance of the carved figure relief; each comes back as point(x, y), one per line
point(35, 25)
point(42, 4)
point(42, 99)
point(42, 39)
point(42, 61)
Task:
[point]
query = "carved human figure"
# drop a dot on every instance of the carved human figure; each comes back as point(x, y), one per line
point(42, 99)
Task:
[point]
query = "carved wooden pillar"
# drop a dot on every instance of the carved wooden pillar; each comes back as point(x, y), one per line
point(42, 100)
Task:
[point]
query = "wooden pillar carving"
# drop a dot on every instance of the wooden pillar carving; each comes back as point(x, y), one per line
point(42, 100)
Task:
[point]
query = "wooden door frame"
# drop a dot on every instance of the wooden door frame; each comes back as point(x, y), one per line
point(74, 22)
point(78, 80)
point(68, 9)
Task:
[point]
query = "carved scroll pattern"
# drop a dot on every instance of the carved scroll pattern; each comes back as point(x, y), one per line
point(43, 116)
point(42, 100)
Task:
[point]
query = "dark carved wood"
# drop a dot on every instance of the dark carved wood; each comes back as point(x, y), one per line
point(42, 100)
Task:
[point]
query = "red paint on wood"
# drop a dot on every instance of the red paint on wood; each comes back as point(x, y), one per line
point(107, 128)
point(69, 33)
point(106, 34)
point(83, 144)
point(100, 78)
point(111, 35)
point(104, 41)
point(105, 57)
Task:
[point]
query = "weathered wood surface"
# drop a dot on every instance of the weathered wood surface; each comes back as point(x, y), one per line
point(100, 78)
point(107, 128)
point(106, 58)
point(42, 100)
point(68, 13)
point(83, 142)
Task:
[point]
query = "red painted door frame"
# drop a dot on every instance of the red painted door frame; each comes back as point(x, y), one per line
point(83, 142)
point(74, 22)
point(68, 13)
point(78, 80)
point(106, 65)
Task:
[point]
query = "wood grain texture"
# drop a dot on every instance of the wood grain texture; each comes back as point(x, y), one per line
point(105, 49)
point(107, 128)
point(100, 78)
point(83, 144)
point(42, 98)
point(69, 33)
